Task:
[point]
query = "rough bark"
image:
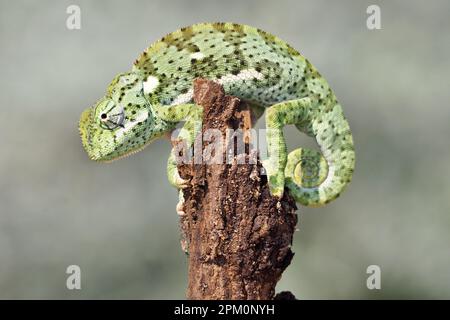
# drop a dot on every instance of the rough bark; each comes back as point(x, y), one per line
point(238, 236)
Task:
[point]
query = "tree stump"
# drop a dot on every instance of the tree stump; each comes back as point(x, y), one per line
point(238, 236)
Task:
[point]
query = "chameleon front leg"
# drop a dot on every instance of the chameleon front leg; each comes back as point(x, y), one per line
point(192, 115)
point(172, 172)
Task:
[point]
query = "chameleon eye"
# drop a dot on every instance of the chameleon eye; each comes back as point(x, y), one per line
point(112, 118)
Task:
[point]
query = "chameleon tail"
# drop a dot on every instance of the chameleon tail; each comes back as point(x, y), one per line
point(315, 178)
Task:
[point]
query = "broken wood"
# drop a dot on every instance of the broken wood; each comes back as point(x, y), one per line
point(238, 235)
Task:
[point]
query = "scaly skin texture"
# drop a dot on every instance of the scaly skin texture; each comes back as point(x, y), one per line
point(156, 94)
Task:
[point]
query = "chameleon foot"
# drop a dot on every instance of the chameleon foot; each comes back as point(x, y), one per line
point(178, 182)
point(173, 175)
point(180, 204)
point(275, 180)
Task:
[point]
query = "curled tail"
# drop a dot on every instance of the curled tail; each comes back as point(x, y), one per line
point(315, 178)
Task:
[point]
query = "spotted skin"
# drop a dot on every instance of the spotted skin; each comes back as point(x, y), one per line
point(148, 101)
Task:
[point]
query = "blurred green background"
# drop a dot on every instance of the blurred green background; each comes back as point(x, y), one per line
point(118, 221)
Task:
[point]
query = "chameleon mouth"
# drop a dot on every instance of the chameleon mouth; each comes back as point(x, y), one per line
point(84, 131)
point(85, 134)
point(125, 155)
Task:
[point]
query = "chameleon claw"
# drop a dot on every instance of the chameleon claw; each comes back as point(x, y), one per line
point(180, 204)
point(276, 191)
point(276, 188)
point(179, 182)
point(274, 180)
point(176, 180)
point(180, 210)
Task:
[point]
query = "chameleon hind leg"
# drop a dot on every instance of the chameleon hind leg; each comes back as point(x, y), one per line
point(313, 178)
point(277, 116)
point(192, 115)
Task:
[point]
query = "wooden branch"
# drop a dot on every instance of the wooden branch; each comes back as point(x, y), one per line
point(238, 236)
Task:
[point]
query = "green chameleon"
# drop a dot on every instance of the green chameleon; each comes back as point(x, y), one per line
point(149, 101)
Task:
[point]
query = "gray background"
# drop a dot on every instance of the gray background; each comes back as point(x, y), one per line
point(118, 221)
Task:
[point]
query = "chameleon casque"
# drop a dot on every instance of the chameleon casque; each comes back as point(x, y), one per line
point(148, 102)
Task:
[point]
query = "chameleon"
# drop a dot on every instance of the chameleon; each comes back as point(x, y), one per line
point(149, 101)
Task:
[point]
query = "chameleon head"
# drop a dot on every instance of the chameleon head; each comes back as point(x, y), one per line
point(121, 123)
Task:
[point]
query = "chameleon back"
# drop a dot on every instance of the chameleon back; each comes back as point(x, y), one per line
point(250, 63)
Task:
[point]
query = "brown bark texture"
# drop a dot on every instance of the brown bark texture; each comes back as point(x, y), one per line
point(237, 235)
